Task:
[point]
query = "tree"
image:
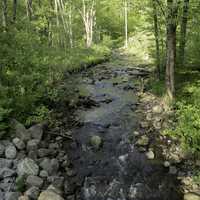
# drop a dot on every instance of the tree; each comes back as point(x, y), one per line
point(29, 9)
point(183, 32)
point(172, 12)
point(126, 22)
point(4, 13)
point(14, 10)
point(156, 33)
point(88, 15)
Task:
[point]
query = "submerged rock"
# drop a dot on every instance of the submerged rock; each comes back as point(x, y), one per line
point(96, 141)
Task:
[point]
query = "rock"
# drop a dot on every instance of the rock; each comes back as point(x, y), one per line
point(2, 149)
point(54, 189)
point(43, 152)
point(157, 125)
point(136, 133)
point(96, 141)
point(144, 124)
point(150, 155)
point(6, 172)
point(7, 184)
point(70, 172)
point(19, 143)
point(56, 181)
point(143, 141)
point(43, 174)
point(49, 195)
point(32, 154)
point(191, 196)
point(25, 197)
point(32, 145)
point(187, 181)
point(33, 193)
point(157, 109)
point(166, 164)
point(12, 195)
point(51, 166)
point(36, 131)
point(34, 181)
point(173, 170)
point(27, 167)
point(10, 152)
point(21, 131)
point(5, 163)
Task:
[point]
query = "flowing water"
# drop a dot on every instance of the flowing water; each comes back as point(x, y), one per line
point(117, 170)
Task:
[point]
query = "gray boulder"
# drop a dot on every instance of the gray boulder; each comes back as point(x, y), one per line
point(10, 152)
point(33, 193)
point(19, 143)
point(2, 149)
point(27, 167)
point(50, 194)
point(36, 131)
point(191, 196)
point(51, 166)
point(6, 172)
point(34, 181)
point(32, 145)
point(12, 195)
point(21, 131)
point(5, 163)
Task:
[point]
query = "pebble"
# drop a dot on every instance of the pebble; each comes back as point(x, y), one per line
point(10, 152)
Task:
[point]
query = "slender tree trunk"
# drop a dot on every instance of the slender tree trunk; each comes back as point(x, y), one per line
point(183, 32)
point(70, 27)
point(4, 13)
point(14, 10)
point(172, 6)
point(88, 14)
point(157, 36)
point(126, 22)
point(29, 9)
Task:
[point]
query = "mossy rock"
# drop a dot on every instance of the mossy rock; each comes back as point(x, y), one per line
point(96, 141)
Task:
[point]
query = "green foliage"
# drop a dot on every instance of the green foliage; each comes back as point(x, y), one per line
point(21, 183)
point(187, 128)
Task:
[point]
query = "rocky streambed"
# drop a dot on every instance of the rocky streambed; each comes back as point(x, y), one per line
point(108, 153)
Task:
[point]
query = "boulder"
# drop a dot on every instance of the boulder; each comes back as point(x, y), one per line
point(27, 167)
point(33, 193)
point(32, 145)
point(6, 172)
point(34, 181)
point(150, 155)
point(21, 131)
point(49, 195)
point(25, 197)
point(12, 195)
point(43, 152)
point(5, 163)
point(19, 143)
point(2, 149)
point(10, 152)
point(43, 174)
point(51, 166)
point(36, 131)
point(191, 196)
point(96, 141)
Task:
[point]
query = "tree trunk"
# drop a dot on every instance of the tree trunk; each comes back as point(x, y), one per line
point(88, 14)
point(4, 13)
point(156, 32)
point(172, 6)
point(126, 22)
point(29, 9)
point(183, 32)
point(14, 10)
